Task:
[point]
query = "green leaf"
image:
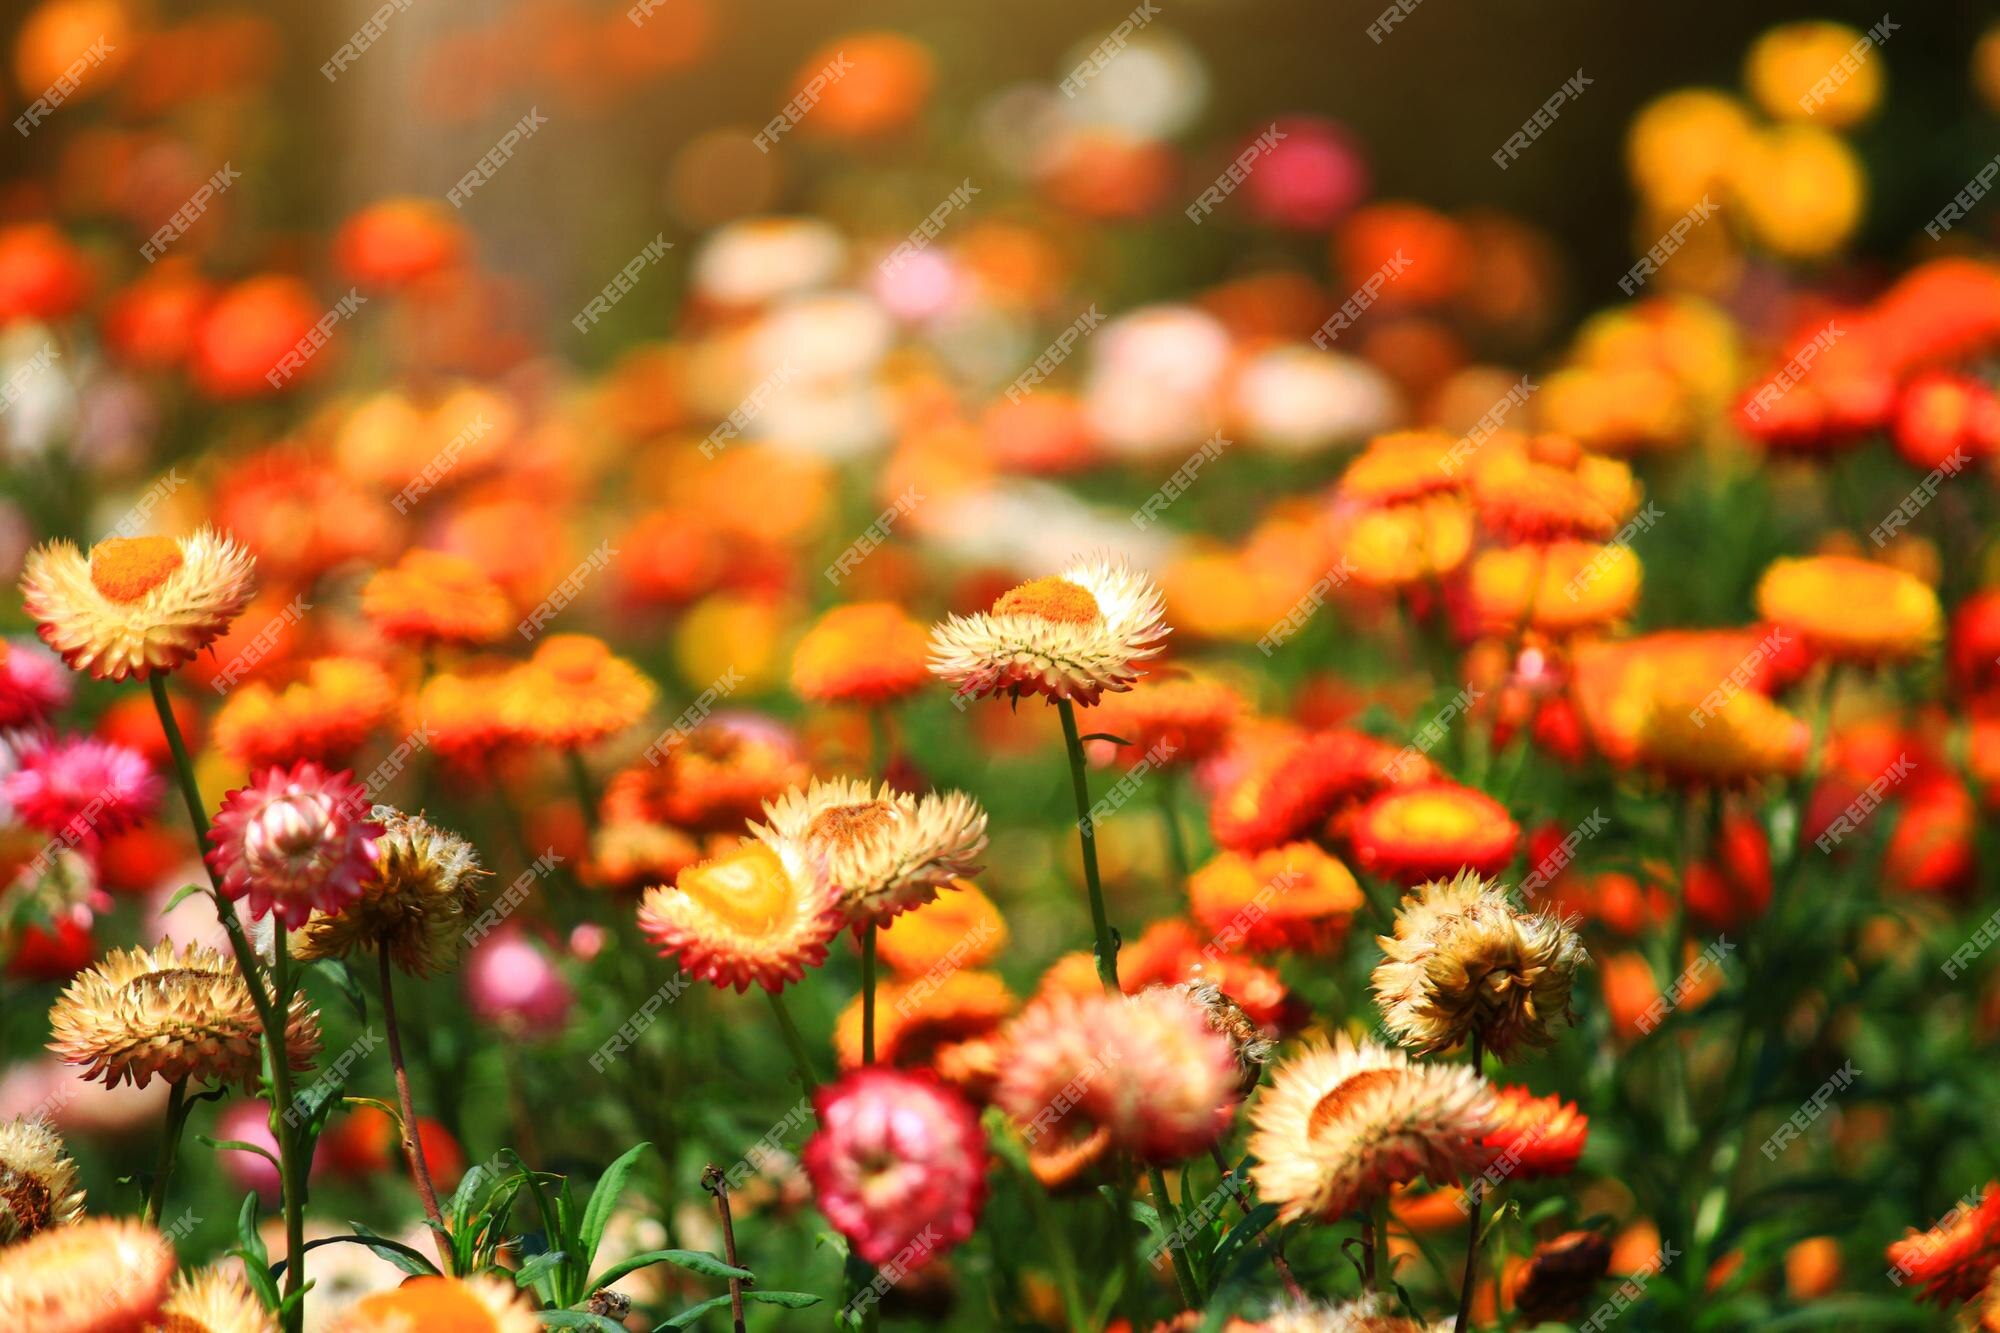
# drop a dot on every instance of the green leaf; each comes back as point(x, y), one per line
point(375, 1243)
point(791, 1300)
point(180, 893)
point(697, 1261)
point(539, 1267)
point(343, 976)
point(1105, 736)
point(415, 1265)
point(578, 1319)
point(597, 1212)
point(240, 1146)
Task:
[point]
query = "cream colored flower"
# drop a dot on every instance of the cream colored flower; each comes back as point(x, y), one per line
point(884, 851)
point(1073, 635)
point(183, 1014)
point(102, 1273)
point(136, 605)
point(1367, 1314)
point(1465, 959)
point(38, 1186)
point(1339, 1125)
point(213, 1300)
point(426, 882)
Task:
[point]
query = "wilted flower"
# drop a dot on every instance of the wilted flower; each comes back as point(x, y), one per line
point(753, 914)
point(38, 1182)
point(179, 1013)
point(136, 605)
point(425, 883)
point(1247, 1042)
point(1338, 1126)
point(884, 851)
point(866, 653)
point(101, 1273)
point(81, 787)
point(898, 1162)
point(1072, 635)
point(294, 843)
point(1558, 1276)
point(1465, 961)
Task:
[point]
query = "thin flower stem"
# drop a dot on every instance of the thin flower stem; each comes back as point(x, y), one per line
point(1107, 944)
point(1472, 1225)
point(717, 1184)
point(1170, 822)
point(868, 993)
point(801, 1060)
point(1292, 1287)
point(273, 1008)
point(1164, 1204)
point(413, 1146)
point(586, 794)
point(156, 1197)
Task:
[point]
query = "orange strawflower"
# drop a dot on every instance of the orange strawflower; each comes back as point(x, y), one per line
point(1403, 545)
point(135, 605)
point(1560, 588)
point(1548, 489)
point(715, 779)
point(1432, 831)
point(325, 717)
point(573, 692)
point(1293, 789)
point(1535, 1136)
point(748, 915)
point(630, 854)
point(959, 928)
point(1293, 897)
point(431, 597)
point(1852, 609)
point(397, 241)
point(866, 653)
point(1745, 739)
point(916, 1019)
point(1400, 467)
point(1179, 720)
point(461, 712)
point(1954, 1259)
point(482, 1304)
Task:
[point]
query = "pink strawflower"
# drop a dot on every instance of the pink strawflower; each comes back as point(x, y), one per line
point(81, 788)
point(511, 982)
point(34, 684)
point(898, 1164)
point(295, 842)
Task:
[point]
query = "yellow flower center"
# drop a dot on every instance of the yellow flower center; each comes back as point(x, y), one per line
point(127, 568)
point(572, 659)
point(1049, 599)
point(1437, 817)
point(747, 888)
point(1330, 1109)
point(846, 825)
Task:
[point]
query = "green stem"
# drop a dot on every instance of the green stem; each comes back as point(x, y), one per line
point(1107, 944)
point(801, 1060)
point(1059, 1253)
point(273, 1007)
point(868, 993)
point(1170, 1221)
point(1472, 1225)
point(1170, 820)
point(413, 1146)
point(156, 1197)
point(586, 794)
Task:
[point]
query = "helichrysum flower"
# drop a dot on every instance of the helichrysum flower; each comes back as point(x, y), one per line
point(1073, 635)
point(325, 717)
point(753, 914)
point(1338, 1126)
point(1465, 960)
point(38, 1185)
point(884, 851)
point(1954, 1259)
point(213, 1300)
point(1559, 1275)
point(916, 1020)
point(33, 685)
point(294, 842)
point(573, 692)
point(1182, 720)
point(1739, 740)
point(1425, 830)
point(102, 1273)
point(1365, 1314)
point(1536, 1136)
point(959, 928)
point(136, 605)
point(898, 1164)
point(710, 780)
point(1293, 897)
point(435, 597)
point(1247, 1042)
point(82, 787)
point(481, 1304)
point(866, 653)
point(426, 883)
point(182, 1013)
point(1850, 608)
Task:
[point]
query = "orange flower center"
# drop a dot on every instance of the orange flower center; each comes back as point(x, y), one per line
point(127, 568)
point(1049, 599)
point(435, 1304)
point(573, 661)
point(1334, 1106)
point(747, 889)
point(846, 825)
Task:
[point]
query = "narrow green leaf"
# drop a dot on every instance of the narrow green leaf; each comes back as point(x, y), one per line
point(597, 1212)
point(697, 1261)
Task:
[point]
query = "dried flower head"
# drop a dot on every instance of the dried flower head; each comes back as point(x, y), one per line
point(100, 1274)
point(215, 1299)
point(294, 842)
point(884, 851)
point(1338, 1126)
point(1073, 635)
point(136, 605)
point(1465, 961)
point(426, 882)
point(1252, 1049)
point(182, 1013)
point(1559, 1275)
point(38, 1181)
